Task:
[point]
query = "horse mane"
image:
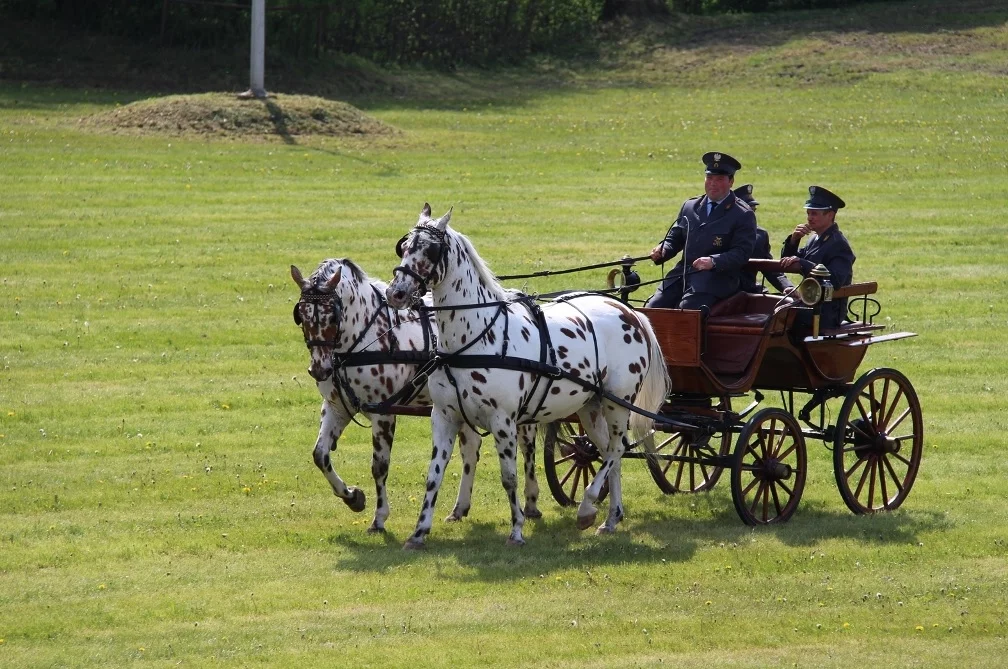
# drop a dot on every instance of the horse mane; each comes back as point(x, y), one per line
point(327, 268)
point(497, 291)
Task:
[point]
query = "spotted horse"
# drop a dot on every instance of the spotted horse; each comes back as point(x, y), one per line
point(363, 353)
point(503, 362)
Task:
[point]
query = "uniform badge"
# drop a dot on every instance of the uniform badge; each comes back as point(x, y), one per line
point(811, 190)
point(717, 156)
point(717, 242)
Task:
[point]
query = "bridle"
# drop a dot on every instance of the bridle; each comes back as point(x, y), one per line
point(435, 254)
point(315, 298)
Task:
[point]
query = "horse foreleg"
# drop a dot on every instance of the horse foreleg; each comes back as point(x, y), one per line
point(469, 445)
point(506, 437)
point(382, 434)
point(527, 435)
point(443, 433)
point(331, 426)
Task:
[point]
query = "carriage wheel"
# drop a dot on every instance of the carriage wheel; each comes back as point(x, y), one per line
point(768, 475)
point(878, 442)
point(680, 470)
point(571, 461)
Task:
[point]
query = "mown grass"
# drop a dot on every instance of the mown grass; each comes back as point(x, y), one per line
point(159, 504)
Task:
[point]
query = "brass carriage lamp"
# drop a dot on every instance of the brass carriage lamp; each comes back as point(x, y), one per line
point(629, 279)
point(815, 289)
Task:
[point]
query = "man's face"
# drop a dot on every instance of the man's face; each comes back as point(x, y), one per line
point(819, 219)
point(717, 186)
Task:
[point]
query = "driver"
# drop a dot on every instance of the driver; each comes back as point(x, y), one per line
point(826, 246)
point(716, 233)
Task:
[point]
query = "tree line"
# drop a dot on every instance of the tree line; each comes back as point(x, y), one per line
point(433, 32)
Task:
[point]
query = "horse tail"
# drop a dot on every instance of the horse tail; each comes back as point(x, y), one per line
point(655, 387)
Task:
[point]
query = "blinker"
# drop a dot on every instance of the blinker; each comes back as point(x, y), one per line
point(399, 245)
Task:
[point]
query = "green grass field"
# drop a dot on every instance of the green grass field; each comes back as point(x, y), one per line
point(158, 501)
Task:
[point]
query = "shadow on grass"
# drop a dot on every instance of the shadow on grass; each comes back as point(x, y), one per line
point(555, 544)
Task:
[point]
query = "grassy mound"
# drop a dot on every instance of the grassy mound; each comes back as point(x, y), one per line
point(226, 114)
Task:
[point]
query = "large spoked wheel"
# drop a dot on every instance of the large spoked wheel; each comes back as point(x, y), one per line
point(571, 461)
point(768, 474)
point(676, 464)
point(878, 442)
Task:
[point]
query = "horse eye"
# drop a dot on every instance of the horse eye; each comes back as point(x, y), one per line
point(433, 252)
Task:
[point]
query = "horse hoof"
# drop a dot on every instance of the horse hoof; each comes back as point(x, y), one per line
point(584, 522)
point(357, 500)
point(605, 529)
point(413, 545)
point(533, 513)
point(515, 542)
point(375, 529)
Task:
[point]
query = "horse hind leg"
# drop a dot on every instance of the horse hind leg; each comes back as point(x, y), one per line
point(331, 427)
point(596, 427)
point(617, 418)
point(469, 445)
point(382, 435)
point(527, 437)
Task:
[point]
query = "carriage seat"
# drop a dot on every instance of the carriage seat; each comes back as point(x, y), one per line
point(744, 310)
point(734, 330)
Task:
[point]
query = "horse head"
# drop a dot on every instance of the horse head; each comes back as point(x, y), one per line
point(423, 251)
point(319, 313)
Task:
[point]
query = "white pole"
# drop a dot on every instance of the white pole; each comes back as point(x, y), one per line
point(257, 57)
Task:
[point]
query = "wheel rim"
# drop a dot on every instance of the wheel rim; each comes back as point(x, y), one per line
point(878, 443)
point(571, 462)
point(768, 476)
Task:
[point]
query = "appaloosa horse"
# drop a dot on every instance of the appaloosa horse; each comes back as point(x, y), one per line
point(506, 363)
point(363, 351)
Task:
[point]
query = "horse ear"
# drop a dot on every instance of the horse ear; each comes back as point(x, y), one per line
point(426, 210)
point(331, 284)
point(298, 279)
point(443, 221)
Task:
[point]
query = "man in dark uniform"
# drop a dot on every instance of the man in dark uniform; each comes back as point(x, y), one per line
point(760, 250)
point(827, 246)
point(716, 233)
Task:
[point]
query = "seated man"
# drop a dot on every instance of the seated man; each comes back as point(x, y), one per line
point(827, 246)
point(716, 233)
point(760, 250)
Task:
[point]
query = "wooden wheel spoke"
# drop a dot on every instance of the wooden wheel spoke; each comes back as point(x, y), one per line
point(786, 489)
point(892, 472)
point(857, 463)
point(872, 467)
point(864, 477)
point(745, 491)
point(756, 498)
point(776, 500)
point(892, 426)
point(865, 416)
point(679, 473)
point(902, 459)
point(567, 476)
point(789, 451)
point(574, 484)
point(882, 482)
point(566, 458)
point(882, 402)
point(892, 408)
point(857, 427)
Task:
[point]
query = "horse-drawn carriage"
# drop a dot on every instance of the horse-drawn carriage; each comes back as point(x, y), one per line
point(750, 346)
point(587, 364)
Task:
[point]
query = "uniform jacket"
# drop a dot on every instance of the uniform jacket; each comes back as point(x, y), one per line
point(727, 235)
point(833, 251)
point(762, 250)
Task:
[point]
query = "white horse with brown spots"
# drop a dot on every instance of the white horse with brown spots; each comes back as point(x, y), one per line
point(360, 354)
point(604, 350)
